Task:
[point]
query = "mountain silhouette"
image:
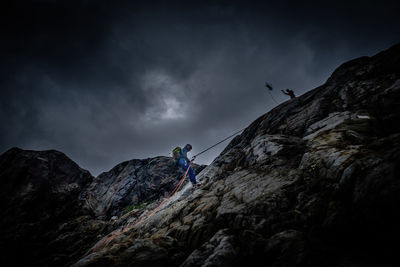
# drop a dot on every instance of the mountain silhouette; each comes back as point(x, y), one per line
point(313, 182)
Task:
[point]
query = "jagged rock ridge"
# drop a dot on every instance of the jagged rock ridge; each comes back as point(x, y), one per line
point(314, 182)
point(311, 183)
point(131, 183)
point(53, 211)
point(40, 191)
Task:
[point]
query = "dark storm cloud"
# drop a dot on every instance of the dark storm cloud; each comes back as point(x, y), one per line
point(107, 81)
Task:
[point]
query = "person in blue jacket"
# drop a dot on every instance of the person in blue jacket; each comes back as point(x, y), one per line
point(183, 163)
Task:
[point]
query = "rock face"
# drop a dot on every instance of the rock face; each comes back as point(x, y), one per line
point(132, 183)
point(53, 211)
point(40, 191)
point(314, 182)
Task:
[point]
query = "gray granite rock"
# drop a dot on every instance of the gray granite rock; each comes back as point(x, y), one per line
point(314, 182)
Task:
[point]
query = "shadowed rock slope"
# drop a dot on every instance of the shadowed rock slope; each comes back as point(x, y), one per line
point(40, 193)
point(314, 182)
point(53, 211)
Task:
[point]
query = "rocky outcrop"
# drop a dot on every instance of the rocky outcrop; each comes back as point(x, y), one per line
point(40, 192)
point(53, 211)
point(133, 183)
point(314, 182)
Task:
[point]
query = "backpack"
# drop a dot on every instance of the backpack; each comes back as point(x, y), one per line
point(176, 154)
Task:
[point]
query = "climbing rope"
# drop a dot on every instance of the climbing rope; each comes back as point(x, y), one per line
point(106, 241)
point(273, 97)
point(269, 86)
point(219, 142)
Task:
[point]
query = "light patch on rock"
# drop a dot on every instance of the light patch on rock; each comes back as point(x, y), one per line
point(328, 123)
point(207, 173)
point(264, 147)
point(363, 116)
point(28, 188)
point(252, 186)
point(42, 159)
point(395, 86)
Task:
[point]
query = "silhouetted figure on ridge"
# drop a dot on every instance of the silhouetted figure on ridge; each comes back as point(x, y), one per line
point(289, 93)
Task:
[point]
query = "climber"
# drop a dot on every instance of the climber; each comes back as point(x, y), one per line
point(184, 162)
point(289, 93)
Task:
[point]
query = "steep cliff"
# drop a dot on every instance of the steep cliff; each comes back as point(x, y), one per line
point(53, 211)
point(314, 182)
point(133, 183)
point(40, 193)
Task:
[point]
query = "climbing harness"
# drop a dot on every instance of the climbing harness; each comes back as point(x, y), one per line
point(106, 241)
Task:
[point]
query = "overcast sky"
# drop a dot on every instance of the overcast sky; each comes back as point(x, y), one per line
point(109, 81)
